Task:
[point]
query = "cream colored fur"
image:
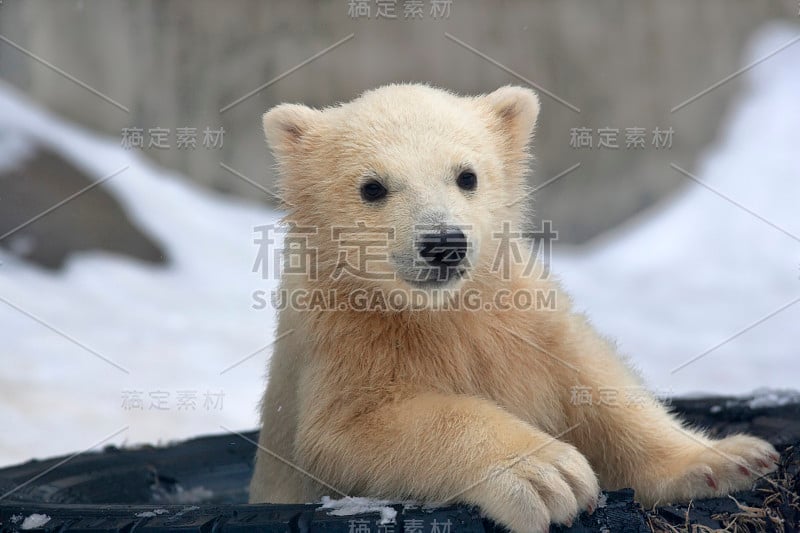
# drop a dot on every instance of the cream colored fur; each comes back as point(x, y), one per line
point(456, 405)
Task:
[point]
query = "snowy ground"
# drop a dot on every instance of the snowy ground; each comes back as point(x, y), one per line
point(173, 331)
point(686, 277)
point(676, 283)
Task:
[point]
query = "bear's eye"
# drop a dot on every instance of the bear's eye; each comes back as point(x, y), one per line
point(467, 180)
point(372, 191)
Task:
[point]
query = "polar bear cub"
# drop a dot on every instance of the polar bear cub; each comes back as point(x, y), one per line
point(423, 355)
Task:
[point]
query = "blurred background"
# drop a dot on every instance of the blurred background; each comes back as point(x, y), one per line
point(134, 176)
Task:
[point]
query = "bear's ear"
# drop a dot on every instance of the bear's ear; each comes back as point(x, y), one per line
point(514, 112)
point(285, 125)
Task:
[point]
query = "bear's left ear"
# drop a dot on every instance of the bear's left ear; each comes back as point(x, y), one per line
point(285, 125)
point(514, 111)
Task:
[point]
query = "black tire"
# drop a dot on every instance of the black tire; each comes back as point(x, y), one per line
point(201, 485)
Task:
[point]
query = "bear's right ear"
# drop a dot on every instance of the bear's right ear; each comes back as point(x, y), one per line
point(285, 125)
point(514, 110)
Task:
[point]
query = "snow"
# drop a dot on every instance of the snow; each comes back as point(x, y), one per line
point(172, 329)
point(760, 399)
point(35, 520)
point(602, 500)
point(687, 276)
point(773, 398)
point(184, 511)
point(697, 271)
point(197, 494)
point(151, 514)
point(348, 506)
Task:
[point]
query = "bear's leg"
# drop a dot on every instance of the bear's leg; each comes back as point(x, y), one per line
point(441, 448)
point(275, 480)
point(633, 441)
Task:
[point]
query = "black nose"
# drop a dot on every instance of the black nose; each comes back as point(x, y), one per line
point(444, 249)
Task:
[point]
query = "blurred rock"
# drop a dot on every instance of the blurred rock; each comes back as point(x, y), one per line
point(93, 220)
point(624, 64)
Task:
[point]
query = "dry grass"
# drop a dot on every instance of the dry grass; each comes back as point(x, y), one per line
point(779, 511)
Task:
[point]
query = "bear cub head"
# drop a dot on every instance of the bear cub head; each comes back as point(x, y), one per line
point(407, 186)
